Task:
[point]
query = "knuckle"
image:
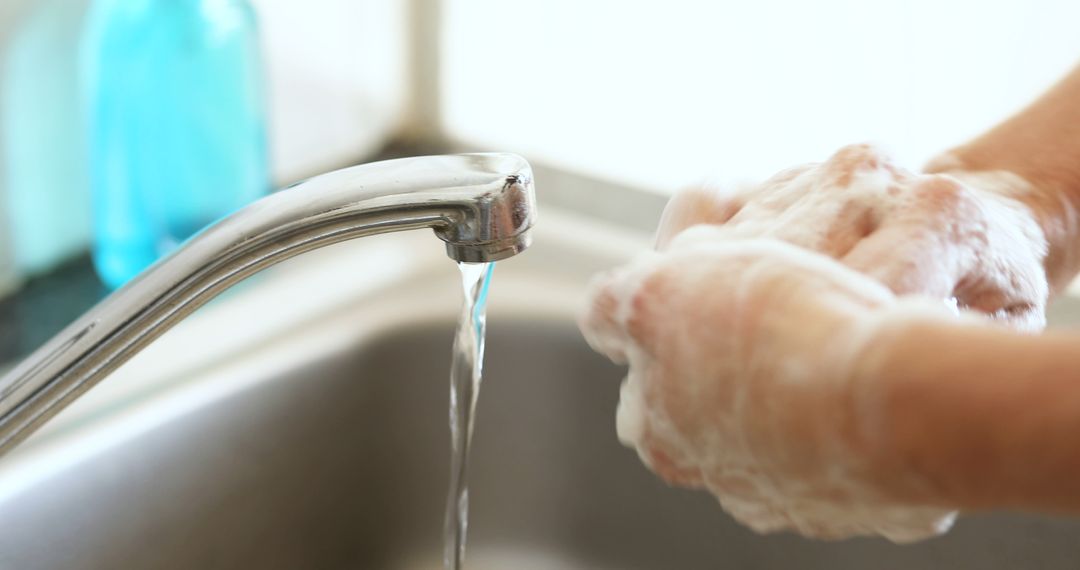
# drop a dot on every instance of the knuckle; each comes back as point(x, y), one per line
point(641, 320)
point(842, 168)
point(599, 322)
point(858, 153)
point(945, 195)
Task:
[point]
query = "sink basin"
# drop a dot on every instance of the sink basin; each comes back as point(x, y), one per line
point(326, 446)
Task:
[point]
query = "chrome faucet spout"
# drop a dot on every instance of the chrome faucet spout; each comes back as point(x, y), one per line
point(481, 205)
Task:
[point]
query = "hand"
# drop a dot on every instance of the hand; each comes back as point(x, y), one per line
point(743, 380)
point(745, 351)
point(930, 235)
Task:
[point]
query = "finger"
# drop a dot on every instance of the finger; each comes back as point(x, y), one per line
point(1007, 306)
point(927, 244)
point(907, 264)
point(1009, 282)
point(612, 320)
point(676, 471)
point(601, 321)
point(694, 206)
point(947, 243)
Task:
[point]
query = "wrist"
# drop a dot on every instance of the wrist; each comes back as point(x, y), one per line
point(888, 386)
point(972, 416)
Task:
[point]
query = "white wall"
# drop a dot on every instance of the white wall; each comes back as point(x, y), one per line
point(336, 79)
point(666, 92)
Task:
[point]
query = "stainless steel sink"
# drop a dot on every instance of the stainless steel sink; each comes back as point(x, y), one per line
point(340, 461)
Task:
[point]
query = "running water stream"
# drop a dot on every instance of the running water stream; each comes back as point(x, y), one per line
point(465, 374)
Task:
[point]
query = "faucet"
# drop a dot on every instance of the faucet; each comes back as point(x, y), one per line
point(481, 205)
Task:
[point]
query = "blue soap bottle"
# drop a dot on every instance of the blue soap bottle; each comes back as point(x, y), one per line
point(174, 99)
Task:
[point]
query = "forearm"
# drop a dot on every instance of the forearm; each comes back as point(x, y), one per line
point(983, 417)
point(1041, 145)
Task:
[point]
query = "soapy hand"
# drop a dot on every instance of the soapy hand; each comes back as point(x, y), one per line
point(931, 235)
point(747, 336)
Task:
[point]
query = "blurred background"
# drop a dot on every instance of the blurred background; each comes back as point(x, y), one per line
point(125, 125)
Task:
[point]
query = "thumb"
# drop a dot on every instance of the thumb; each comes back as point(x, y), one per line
point(694, 206)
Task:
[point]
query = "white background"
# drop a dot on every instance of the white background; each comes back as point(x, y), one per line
point(663, 93)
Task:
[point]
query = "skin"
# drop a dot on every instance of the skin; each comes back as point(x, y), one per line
point(967, 378)
point(820, 266)
point(1041, 145)
point(741, 357)
point(988, 417)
